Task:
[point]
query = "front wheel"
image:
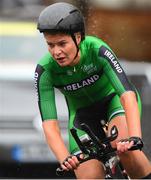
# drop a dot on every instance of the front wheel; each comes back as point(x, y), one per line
point(116, 173)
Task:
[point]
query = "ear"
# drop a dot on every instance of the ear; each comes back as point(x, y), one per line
point(78, 37)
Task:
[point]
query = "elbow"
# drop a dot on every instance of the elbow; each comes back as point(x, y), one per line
point(51, 129)
point(128, 98)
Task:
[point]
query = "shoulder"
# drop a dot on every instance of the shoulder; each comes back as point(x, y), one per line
point(93, 42)
point(94, 46)
point(46, 60)
point(45, 64)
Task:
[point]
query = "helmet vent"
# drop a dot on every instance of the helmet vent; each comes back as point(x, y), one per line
point(60, 21)
point(75, 10)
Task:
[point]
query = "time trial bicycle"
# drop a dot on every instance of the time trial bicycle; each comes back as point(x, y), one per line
point(94, 148)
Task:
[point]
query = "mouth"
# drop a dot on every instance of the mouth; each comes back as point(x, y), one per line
point(60, 59)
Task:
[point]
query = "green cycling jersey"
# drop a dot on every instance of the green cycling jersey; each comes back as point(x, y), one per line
point(97, 75)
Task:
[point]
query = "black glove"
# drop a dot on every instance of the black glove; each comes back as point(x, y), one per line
point(70, 156)
point(66, 160)
point(138, 143)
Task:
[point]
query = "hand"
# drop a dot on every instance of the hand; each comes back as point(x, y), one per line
point(124, 146)
point(71, 162)
point(132, 143)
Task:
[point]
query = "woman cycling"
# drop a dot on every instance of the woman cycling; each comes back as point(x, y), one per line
point(95, 87)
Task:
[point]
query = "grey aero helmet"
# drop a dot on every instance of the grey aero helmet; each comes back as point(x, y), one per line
point(62, 17)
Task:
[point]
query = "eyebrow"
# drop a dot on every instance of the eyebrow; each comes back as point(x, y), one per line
point(50, 43)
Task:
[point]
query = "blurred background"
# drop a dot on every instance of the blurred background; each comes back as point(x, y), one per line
point(124, 25)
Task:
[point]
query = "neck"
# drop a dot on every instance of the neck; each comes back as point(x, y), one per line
point(76, 60)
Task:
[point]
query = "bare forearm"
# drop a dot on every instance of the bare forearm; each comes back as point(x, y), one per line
point(129, 102)
point(54, 139)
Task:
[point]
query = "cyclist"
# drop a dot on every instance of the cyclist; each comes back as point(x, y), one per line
point(95, 87)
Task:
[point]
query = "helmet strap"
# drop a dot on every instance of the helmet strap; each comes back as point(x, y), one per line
point(74, 39)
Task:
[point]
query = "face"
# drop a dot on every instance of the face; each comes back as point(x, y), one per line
point(63, 48)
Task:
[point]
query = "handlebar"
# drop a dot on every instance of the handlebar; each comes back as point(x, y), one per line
point(97, 148)
point(61, 172)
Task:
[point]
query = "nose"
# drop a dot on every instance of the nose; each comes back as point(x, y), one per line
point(56, 51)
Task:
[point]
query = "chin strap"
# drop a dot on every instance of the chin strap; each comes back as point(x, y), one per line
point(74, 39)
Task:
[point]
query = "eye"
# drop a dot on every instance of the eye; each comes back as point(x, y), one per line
point(62, 44)
point(50, 45)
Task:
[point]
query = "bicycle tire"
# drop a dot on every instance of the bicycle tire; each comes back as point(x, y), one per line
point(117, 174)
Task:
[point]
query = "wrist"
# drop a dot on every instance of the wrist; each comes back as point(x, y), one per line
point(63, 157)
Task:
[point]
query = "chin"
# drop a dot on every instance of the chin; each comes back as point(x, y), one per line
point(64, 64)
